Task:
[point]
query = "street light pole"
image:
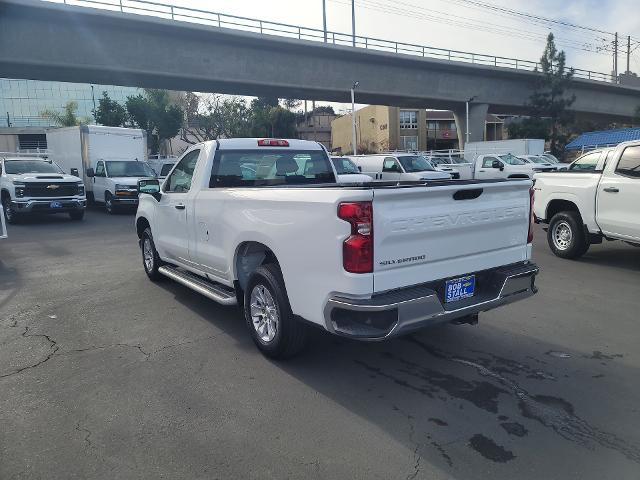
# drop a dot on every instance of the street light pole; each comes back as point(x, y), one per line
point(467, 133)
point(324, 19)
point(353, 20)
point(354, 140)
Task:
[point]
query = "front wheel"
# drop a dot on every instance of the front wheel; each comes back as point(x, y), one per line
point(108, 203)
point(150, 259)
point(10, 214)
point(273, 327)
point(566, 235)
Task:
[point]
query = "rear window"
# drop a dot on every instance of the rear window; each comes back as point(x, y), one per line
point(254, 168)
point(629, 164)
point(587, 162)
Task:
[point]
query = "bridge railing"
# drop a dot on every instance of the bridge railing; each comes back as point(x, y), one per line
point(216, 19)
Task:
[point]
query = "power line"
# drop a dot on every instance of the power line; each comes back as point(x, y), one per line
point(470, 23)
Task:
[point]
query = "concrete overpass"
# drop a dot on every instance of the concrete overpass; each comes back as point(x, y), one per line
point(46, 41)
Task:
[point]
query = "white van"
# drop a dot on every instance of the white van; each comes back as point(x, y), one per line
point(398, 167)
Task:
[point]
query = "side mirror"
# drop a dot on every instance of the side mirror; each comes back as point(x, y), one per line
point(497, 164)
point(359, 168)
point(395, 168)
point(90, 172)
point(150, 186)
point(74, 172)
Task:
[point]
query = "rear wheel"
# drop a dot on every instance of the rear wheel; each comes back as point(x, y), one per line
point(108, 203)
point(150, 259)
point(273, 327)
point(566, 235)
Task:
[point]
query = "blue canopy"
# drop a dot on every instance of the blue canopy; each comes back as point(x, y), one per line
point(604, 138)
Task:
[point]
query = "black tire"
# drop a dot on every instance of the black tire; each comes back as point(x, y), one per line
point(151, 266)
point(108, 203)
point(566, 235)
point(77, 215)
point(290, 334)
point(10, 215)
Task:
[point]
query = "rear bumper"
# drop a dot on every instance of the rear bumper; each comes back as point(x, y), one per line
point(44, 206)
point(402, 311)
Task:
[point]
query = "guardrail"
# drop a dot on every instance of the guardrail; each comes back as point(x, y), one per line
point(216, 19)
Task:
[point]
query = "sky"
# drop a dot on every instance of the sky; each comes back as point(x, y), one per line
point(464, 25)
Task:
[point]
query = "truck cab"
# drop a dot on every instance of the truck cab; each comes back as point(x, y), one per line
point(31, 184)
point(398, 167)
point(596, 199)
point(115, 182)
point(494, 166)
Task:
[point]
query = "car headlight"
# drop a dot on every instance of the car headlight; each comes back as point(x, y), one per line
point(80, 188)
point(19, 188)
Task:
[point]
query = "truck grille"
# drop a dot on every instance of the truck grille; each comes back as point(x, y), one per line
point(53, 189)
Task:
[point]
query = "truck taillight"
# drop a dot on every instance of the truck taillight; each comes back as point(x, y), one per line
point(531, 198)
point(357, 250)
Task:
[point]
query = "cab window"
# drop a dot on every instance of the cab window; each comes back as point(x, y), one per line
point(587, 162)
point(488, 162)
point(390, 165)
point(100, 170)
point(629, 164)
point(180, 179)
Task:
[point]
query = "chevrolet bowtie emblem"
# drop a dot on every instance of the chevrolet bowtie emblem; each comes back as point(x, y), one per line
point(53, 187)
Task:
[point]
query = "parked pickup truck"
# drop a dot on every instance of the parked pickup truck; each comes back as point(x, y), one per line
point(36, 185)
point(598, 197)
point(247, 222)
point(506, 166)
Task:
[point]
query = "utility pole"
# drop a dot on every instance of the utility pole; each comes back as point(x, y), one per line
point(324, 19)
point(354, 140)
point(628, 53)
point(615, 59)
point(353, 20)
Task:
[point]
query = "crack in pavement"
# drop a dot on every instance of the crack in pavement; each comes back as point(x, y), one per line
point(87, 437)
point(53, 348)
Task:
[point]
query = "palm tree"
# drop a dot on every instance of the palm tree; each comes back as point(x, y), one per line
point(67, 118)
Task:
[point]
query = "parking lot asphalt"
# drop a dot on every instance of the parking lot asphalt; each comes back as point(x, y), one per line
point(104, 374)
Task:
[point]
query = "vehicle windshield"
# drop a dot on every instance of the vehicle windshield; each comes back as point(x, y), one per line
point(551, 158)
point(129, 169)
point(253, 168)
point(415, 163)
point(18, 167)
point(512, 159)
point(344, 166)
point(538, 159)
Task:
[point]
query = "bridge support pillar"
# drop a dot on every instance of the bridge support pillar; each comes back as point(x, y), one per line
point(477, 122)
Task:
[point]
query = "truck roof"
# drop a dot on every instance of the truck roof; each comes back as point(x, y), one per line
point(252, 144)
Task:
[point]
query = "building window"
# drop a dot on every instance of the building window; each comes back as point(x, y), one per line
point(409, 143)
point(32, 141)
point(432, 125)
point(408, 119)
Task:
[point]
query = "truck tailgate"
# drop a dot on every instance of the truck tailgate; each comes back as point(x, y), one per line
point(429, 233)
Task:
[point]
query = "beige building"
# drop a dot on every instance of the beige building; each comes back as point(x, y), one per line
point(316, 126)
point(381, 128)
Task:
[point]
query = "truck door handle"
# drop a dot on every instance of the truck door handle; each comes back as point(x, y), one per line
point(180, 206)
point(611, 189)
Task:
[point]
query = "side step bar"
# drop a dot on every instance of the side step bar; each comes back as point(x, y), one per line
point(216, 292)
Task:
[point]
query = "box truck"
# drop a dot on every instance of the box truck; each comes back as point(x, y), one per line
point(110, 160)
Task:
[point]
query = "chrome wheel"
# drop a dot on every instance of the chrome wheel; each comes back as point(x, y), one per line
point(147, 254)
point(264, 314)
point(562, 235)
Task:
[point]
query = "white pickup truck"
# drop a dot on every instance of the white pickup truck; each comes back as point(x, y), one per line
point(506, 165)
point(263, 223)
point(31, 184)
point(598, 197)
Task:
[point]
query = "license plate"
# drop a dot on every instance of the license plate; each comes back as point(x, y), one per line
point(55, 205)
point(459, 288)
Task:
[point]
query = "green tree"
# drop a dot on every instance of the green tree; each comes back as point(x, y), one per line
point(67, 118)
point(549, 99)
point(269, 119)
point(154, 113)
point(214, 116)
point(110, 112)
point(530, 127)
